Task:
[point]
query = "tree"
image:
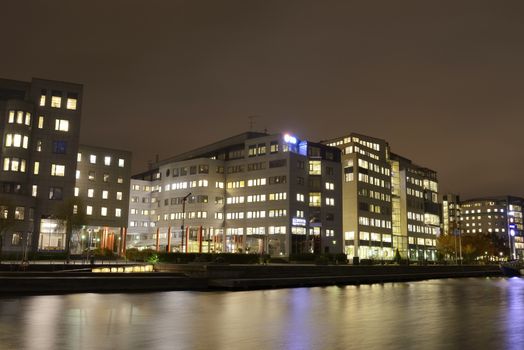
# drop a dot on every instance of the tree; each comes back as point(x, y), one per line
point(71, 213)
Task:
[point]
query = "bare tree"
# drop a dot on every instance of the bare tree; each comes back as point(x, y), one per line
point(71, 214)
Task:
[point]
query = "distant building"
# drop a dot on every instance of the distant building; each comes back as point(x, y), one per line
point(102, 185)
point(389, 203)
point(252, 192)
point(141, 231)
point(500, 216)
point(450, 214)
point(40, 126)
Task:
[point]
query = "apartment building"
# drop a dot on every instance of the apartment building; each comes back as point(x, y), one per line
point(253, 192)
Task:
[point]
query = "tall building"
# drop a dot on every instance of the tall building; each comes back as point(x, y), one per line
point(500, 216)
point(45, 175)
point(102, 187)
point(418, 211)
point(450, 214)
point(252, 192)
point(40, 126)
point(389, 203)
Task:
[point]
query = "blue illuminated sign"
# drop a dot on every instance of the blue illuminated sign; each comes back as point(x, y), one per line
point(290, 139)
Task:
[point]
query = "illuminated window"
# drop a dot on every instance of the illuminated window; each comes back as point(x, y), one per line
point(34, 190)
point(120, 162)
point(42, 98)
point(103, 211)
point(61, 125)
point(28, 119)
point(39, 145)
point(71, 103)
point(90, 192)
point(41, 122)
point(14, 164)
point(56, 101)
point(91, 176)
point(19, 213)
point(106, 177)
point(120, 180)
point(119, 196)
point(118, 212)
point(314, 199)
point(11, 117)
point(77, 191)
point(79, 157)
point(107, 160)
point(105, 194)
point(16, 140)
point(92, 159)
point(57, 170)
point(36, 168)
point(300, 197)
point(89, 210)
point(315, 167)
point(20, 117)
point(77, 175)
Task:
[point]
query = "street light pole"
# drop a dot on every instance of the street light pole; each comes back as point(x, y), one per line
point(183, 217)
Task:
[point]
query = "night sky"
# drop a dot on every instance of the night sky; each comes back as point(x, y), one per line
point(442, 81)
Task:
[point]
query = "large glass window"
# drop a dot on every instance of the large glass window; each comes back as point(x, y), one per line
point(52, 234)
point(61, 125)
point(57, 170)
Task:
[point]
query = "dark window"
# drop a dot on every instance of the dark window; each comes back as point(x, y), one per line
point(329, 170)
point(193, 170)
point(183, 171)
point(300, 180)
point(220, 169)
point(277, 163)
point(203, 169)
point(175, 172)
point(55, 193)
point(167, 172)
point(330, 216)
point(59, 147)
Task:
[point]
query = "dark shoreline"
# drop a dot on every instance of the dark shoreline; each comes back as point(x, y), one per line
point(208, 277)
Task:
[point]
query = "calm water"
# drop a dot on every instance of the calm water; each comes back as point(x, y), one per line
point(441, 314)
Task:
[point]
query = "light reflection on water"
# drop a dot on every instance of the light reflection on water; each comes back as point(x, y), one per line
point(471, 313)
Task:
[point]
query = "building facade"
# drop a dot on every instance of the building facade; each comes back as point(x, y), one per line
point(102, 189)
point(40, 126)
point(389, 203)
point(500, 216)
point(253, 192)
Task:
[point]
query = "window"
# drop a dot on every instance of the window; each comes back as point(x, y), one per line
point(300, 197)
point(90, 192)
point(16, 140)
point(314, 199)
point(118, 212)
point(71, 103)
point(105, 194)
point(119, 196)
point(34, 190)
point(55, 193)
point(36, 168)
point(330, 201)
point(107, 160)
point(103, 211)
point(92, 159)
point(56, 101)
point(16, 239)
point(106, 177)
point(89, 210)
point(91, 176)
point(315, 167)
point(330, 186)
point(77, 191)
point(61, 125)
point(59, 147)
point(39, 145)
point(79, 157)
point(14, 164)
point(273, 147)
point(57, 170)
point(120, 180)
point(121, 162)
point(27, 119)
point(43, 94)
point(41, 122)
point(19, 213)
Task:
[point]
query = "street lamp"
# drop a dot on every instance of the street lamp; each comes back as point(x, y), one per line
point(183, 217)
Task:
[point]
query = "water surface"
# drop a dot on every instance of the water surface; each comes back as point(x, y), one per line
point(473, 313)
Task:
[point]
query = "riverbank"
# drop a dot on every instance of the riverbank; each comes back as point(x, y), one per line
point(206, 277)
